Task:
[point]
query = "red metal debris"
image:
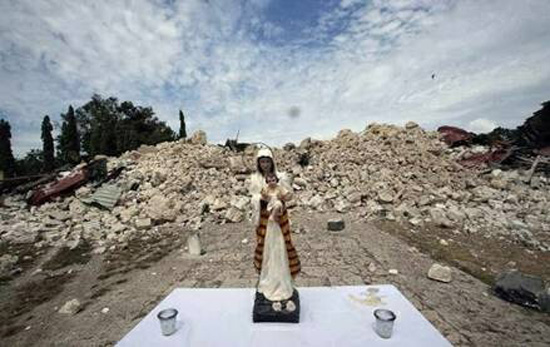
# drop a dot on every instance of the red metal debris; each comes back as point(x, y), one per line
point(67, 184)
point(454, 136)
point(545, 152)
point(493, 156)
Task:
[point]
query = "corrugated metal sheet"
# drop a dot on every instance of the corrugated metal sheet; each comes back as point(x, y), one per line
point(107, 196)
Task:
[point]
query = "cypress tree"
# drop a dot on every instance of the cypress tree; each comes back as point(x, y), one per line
point(7, 161)
point(69, 141)
point(47, 145)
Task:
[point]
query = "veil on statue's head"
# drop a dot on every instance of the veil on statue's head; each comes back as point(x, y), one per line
point(265, 152)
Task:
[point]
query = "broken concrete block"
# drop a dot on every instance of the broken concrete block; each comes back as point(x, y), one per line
point(440, 273)
point(336, 224)
point(71, 307)
point(521, 289)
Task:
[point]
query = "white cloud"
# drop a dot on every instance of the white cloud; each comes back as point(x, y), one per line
point(481, 125)
point(361, 63)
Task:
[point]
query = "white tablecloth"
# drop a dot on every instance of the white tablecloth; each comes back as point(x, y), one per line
point(330, 316)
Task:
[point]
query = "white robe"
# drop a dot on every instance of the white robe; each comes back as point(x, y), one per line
point(275, 279)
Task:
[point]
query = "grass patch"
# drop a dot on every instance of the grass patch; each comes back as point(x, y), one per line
point(66, 256)
point(100, 292)
point(454, 254)
point(140, 254)
point(26, 297)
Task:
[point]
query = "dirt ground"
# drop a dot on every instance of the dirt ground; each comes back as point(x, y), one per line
point(131, 281)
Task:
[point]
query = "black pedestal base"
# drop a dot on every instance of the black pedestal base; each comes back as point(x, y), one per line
point(264, 313)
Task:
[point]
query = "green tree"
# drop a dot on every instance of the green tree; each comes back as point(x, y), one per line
point(69, 140)
point(110, 128)
point(31, 164)
point(183, 132)
point(7, 162)
point(47, 145)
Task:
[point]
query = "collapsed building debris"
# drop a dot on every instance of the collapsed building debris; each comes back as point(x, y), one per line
point(236, 146)
point(512, 148)
point(405, 174)
point(454, 136)
point(10, 184)
point(95, 170)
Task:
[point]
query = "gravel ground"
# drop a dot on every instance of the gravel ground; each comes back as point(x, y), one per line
point(130, 282)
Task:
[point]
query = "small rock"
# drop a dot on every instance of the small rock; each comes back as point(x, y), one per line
point(416, 221)
point(372, 267)
point(161, 208)
point(6, 263)
point(341, 206)
point(143, 223)
point(511, 264)
point(289, 146)
point(316, 202)
point(71, 307)
point(300, 182)
point(194, 244)
point(498, 183)
point(145, 149)
point(443, 242)
point(299, 230)
point(219, 204)
point(240, 203)
point(385, 197)
point(354, 197)
point(128, 213)
point(59, 215)
point(439, 218)
point(99, 250)
point(72, 244)
point(198, 138)
point(411, 125)
point(393, 272)
point(244, 241)
point(105, 310)
point(336, 224)
point(440, 273)
point(237, 165)
point(234, 215)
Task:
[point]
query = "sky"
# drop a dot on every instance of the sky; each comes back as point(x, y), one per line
point(277, 71)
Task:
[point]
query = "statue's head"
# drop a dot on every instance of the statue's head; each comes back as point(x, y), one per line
point(265, 163)
point(271, 179)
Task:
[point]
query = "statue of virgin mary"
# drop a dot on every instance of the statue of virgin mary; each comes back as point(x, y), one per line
point(275, 257)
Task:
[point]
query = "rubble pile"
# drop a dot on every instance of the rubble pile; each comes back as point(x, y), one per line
point(404, 174)
point(410, 175)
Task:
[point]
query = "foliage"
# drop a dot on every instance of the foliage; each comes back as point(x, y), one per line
point(7, 162)
point(69, 139)
point(47, 145)
point(31, 164)
point(110, 128)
